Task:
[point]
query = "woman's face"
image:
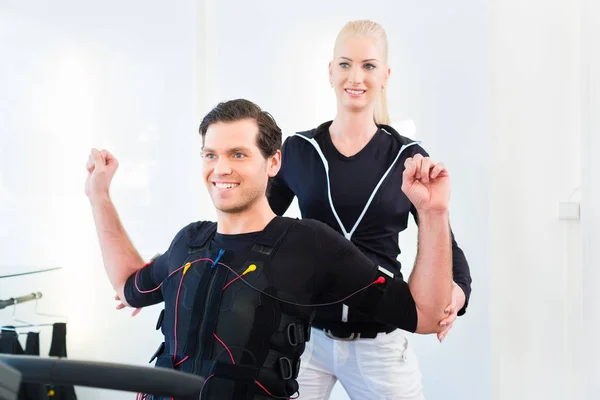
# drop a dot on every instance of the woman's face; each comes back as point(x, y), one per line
point(358, 72)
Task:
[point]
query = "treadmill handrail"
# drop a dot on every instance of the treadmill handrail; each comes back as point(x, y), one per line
point(129, 378)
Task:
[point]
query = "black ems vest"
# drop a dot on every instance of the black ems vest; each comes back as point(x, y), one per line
point(244, 342)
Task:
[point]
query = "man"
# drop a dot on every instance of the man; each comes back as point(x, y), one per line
point(240, 293)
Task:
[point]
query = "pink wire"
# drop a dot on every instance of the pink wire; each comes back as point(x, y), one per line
point(238, 276)
point(176, 309)
point(226, 348)
point(233, 362)
point(298, 304)
point(182, 361)
point(202, 388)
point(158, 287)
point(230, 282)
point(263, 388)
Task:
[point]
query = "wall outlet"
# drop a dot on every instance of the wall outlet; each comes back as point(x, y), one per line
point(568, 210)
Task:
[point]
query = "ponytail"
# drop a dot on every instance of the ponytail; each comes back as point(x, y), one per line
point(381, 114)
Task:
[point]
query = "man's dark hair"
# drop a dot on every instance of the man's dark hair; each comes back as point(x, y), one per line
point(269, 134)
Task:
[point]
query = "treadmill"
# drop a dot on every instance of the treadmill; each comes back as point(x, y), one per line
point(10, 380)
point(128, 378)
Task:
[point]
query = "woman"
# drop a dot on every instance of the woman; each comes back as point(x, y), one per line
point(348, 173)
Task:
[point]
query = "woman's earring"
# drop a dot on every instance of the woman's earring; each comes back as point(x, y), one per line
point(383, 88)
point(331, 83)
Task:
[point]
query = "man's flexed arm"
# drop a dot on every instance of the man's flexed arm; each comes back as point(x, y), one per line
point(427, 186)
point(120, 257)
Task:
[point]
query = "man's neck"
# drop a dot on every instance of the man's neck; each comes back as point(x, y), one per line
point(254, 219)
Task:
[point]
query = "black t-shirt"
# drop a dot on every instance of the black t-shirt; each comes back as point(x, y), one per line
point(379, 165)
point(351, 195)
point(234, 242)
point(313, 264)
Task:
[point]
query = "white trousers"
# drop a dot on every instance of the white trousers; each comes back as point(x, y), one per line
point(383, 368)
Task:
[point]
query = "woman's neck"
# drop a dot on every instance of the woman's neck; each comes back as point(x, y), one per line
point(350, 132)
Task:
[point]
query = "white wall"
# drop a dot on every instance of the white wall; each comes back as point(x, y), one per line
point(503, 91)
point(535, 128)
point(75, 75)
point(590, 99)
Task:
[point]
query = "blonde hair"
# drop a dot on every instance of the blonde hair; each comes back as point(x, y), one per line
point(372, 29)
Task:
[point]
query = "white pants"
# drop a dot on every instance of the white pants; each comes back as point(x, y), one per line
point(383, 368)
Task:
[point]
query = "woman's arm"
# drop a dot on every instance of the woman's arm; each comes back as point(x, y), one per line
point(279, 194)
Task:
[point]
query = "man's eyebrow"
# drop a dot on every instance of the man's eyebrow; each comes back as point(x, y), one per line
point(232, 150)
point(239, 149)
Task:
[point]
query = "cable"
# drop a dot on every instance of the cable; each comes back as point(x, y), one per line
point(265, 389)
point(377, 281)
point(251, 268)
point(204, 384)
point(255, 381)
point(226, 348)
point(182, 361)
point(217, 259)
point(159, 286)
point(176, 312)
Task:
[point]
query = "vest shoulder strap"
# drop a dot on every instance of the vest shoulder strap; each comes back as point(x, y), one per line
point(201, 235)
point(272, 235)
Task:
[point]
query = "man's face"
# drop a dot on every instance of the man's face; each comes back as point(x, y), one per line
point(235, 172)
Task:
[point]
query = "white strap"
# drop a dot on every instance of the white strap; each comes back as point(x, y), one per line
point(347, 234)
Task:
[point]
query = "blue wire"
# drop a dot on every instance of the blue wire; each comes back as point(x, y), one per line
point(217, 259)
